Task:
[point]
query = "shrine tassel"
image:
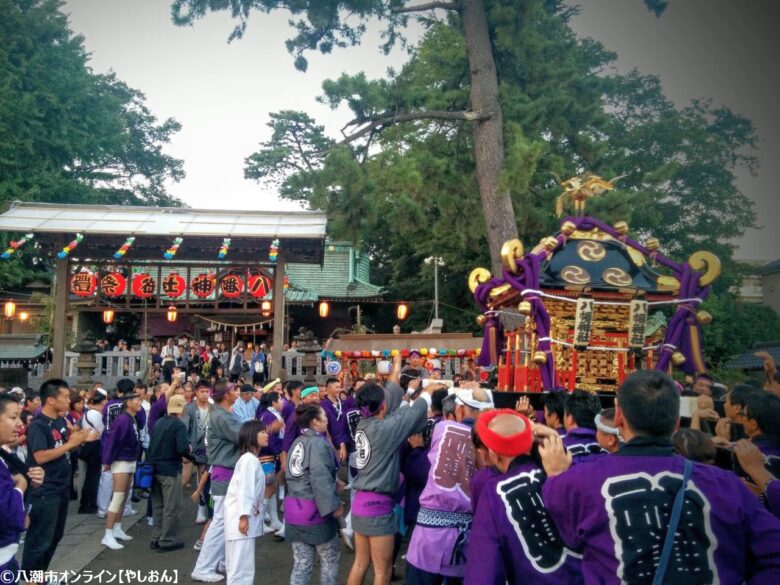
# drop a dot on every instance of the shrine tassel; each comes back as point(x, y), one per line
point(171, 252)
point(223, 250)
point(492, 342)
point(124, 248)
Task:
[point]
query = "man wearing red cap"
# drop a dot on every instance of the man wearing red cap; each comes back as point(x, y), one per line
point(513, 539)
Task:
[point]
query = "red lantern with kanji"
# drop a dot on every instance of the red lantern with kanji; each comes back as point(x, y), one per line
point(173, 285)
point(259, 285)
point(113, 284)
point(231, 286)
point(144, 286)
point(202, 285)
point(83, 284)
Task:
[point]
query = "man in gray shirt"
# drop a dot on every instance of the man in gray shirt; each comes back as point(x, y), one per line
point(223, 453)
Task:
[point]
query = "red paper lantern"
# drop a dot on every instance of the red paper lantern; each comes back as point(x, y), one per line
point(259, 285)
point(144, 286)
point(404, 353)
point(231, 286)
point(113, 284)
point(83, 284)
point(202, 286)
point(173, 285)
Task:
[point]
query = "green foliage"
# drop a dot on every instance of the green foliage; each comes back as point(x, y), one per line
point(736, 326)
point(70, 135)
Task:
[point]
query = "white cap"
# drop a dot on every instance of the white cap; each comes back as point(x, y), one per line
point(466, 397)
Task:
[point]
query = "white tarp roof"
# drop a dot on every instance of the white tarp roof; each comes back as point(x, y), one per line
point(172, 221)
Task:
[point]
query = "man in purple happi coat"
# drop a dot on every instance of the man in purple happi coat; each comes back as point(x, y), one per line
point(616, 511)
point(580, 410)
point(512, 537)
point(337, 417)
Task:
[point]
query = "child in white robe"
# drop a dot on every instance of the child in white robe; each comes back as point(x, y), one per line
point(244, 505)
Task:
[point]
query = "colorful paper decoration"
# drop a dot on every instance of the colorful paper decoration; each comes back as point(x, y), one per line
point(202, 286)
point(223, 250)
point(173, 285)
point(69, 248)
point(144, 285)
point(14, 246)
point(273, 251)
point(171, 252)
point(113, 284)
point(119, 254)
point(231, 286)
point(83, 284)
point(259, 286)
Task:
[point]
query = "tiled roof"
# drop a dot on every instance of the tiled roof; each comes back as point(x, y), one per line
point(769, 268)
point(21, 347)
point(344, 274)
point(748, 361)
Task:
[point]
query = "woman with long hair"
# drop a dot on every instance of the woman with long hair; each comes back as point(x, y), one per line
point(244, 505)
point(312, 506)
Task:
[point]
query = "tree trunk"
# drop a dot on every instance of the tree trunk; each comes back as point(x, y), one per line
point(488, 134)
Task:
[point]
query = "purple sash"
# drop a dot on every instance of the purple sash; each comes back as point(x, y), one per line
point(302, 512)
point(371, 504)
point(219, 473)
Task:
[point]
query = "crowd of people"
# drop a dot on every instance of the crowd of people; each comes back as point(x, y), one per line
point(556, 491)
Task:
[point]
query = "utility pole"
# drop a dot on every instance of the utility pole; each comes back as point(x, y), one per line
point(436, 261)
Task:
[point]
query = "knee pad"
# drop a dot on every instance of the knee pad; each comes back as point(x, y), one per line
point(117, 499)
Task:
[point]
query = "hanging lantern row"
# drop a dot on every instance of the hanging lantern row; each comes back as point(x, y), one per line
point(405, 353)
point(402, 312)
point(14, 246)
point(114, 284)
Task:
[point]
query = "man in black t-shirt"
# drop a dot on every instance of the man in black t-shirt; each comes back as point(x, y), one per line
point(49, 446)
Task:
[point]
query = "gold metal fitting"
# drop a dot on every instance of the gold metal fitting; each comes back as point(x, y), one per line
point(524, 308)
point(550, 243)
point(511, 251)
point(621, 227)
point(568, 227)
point(481, 319)
point(540, 357)
point(652, 244)
point(477, 277)
point(678, 359)
point(703, 318)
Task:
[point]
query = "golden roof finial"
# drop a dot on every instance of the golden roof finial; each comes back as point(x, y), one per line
point(580, 188)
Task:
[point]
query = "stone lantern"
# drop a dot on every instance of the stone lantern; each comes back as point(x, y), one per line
point(85, 364)
point(311, 350)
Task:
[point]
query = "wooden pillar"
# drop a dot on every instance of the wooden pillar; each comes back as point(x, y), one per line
point(278, 300)
point(60, 314)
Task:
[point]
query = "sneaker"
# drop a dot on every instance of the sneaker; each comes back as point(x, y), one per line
point(347, 537)
point(110, 542)
point(276, 526)
point(172, 547)
point(202, 515)
point(130, 512)
point(207, 577)
point(267, 529)
point(150, 520)
point(198, 545)
point(120, 534)
point(101, 515)
point(279, 534)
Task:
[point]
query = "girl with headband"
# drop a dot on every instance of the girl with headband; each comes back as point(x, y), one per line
point(383, 428)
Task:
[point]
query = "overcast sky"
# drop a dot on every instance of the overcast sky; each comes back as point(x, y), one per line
point(223, 93)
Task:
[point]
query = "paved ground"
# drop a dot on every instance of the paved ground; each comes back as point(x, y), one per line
point(81, 552)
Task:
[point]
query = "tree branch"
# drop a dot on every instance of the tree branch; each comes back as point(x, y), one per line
point(384, 120)
point(428, 6)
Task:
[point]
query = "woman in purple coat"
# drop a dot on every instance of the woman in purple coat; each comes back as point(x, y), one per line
point(121, 448)
point(270, 414)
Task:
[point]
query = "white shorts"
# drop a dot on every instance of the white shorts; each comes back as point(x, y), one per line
point(123, 467)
